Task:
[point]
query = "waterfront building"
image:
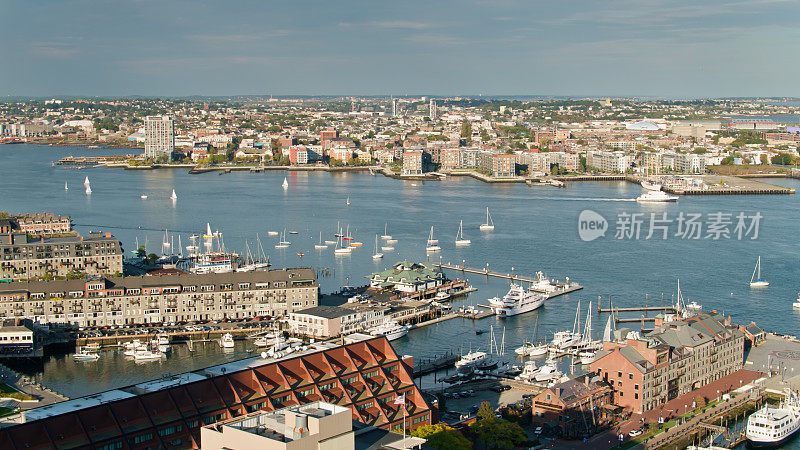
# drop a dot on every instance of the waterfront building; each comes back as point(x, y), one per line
point(412, 163)
point(568, 404)
point(26, 129)
point(16, 337)
point(176, 297)
point(159, 136)
point(408, 277)
point(43, 224)
point(364, 375)
point(298, 155)
point(498, 165)
point(343, 154)
point(564, 160)
point(677, 357)
point(325, 321)
point(24, 257)
point(610, 162)
point(690, 163)
point(449, 158)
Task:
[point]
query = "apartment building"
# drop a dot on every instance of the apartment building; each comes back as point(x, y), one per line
point(610, 162)
point(159, 136)
point(43, 224)
point(412, 163)
point(449, 158)
point(365, 376)
point(499, 165)
point(677, 357)
point(27, 258)
point(325, 321)
point(298, 155)
point(99, 301)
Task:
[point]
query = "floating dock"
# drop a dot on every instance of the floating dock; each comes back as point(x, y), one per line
point(434, 364)
point(561, 287)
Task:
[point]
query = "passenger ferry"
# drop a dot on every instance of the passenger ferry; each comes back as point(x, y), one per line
point(516, 301)
point(772, 426)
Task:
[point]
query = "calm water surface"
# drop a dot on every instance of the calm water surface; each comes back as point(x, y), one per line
point(536, 229)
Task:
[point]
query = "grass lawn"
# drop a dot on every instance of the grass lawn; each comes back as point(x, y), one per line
point(7, 391)
point(6, 411)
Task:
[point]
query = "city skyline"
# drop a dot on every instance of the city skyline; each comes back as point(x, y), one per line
point(721, 49)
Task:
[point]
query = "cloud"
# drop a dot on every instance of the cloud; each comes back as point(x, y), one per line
point(59, 50)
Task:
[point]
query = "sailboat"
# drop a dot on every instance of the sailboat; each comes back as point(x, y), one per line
point(320, 245)
point(460, 236)
point(386, 236)
point(173, 196)
point(377, 255)
point(285, 184)
point(339, 250)
point(489, 224)
point(66, 188)
point(348, 201)
point(143, 196)
point(88, 189)
point(432, 247)
point(86, 181)
point(755, 280)
point(283, 243)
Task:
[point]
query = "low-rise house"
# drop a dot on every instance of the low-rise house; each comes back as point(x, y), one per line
point(574, 406)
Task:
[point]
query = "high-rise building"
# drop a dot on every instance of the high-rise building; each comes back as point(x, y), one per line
point(433, 113)
point(159, 136)
point(395, 107)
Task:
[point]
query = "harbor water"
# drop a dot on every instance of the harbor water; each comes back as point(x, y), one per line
point(536, 228)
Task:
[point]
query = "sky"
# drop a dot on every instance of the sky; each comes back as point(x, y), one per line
point(676, 49)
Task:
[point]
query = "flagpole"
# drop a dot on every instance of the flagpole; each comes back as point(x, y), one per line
point(404, 421)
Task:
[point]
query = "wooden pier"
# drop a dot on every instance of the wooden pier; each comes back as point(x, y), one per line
point(434, 364)
point(561, 288)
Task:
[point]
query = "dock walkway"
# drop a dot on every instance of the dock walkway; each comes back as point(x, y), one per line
point(561, 288)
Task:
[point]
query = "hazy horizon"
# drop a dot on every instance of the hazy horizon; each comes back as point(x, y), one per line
point(620, 48)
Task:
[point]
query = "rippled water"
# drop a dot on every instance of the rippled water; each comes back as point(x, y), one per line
point(536, 229)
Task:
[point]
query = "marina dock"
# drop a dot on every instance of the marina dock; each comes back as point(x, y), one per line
point(434, 364)
point(561, 287)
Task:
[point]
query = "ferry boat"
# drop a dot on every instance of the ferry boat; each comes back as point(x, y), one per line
point(656, 197)
point(516, 301)
point(392, 330)
point(470, 360)
point(85, 355)
point(772, 426)
point(226, 341)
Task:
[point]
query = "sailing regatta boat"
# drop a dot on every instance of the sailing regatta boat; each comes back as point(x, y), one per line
point(386, 236)
point(489, 224)
point(755, 280)
point(88, 189)
point(460, 236)
point(432, 247)
point(86, 181)
point(348, 201)
point(66, 188)
point(377, 255)
point(285, 184)
point(173, 196)
point(320, 245)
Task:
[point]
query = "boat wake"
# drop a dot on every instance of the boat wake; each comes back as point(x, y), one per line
point(586, 199)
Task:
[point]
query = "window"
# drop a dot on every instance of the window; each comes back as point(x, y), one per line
point(170, 430)
point(142, 438)
point(630, 376)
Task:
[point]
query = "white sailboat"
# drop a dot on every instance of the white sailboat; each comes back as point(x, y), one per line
point(285, 183)
point(460, 241)
point(377, 254)
point(339, 250)
point(143, 196)
point(489, 224)
point(756, 280)
point(432, 247)
point(173, 196)
point(386, 236)
point(320, 245)
point(283, 243)
point(66, 188)
point(88, 189)
point(86, 181)
point(348, 201)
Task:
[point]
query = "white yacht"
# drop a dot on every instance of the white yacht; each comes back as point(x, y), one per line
point(468, 361)
point(656, 197)
point(431, 244)
point(548, 372)
point(588, 356)
point(516, 301)
point(85, 355)
point(272, 233)
point(441, 296)
point(146, 355)
point(756, 280)
point(226, 341)
point(694, 308)
point(377, 254)
point(489, 224)
point(262, 341)
point(392, 330)
point(460, 241)
point(529, 371)
point(543, 284)
point(771, 426)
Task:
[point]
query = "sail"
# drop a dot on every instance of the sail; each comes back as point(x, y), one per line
point(608, 333)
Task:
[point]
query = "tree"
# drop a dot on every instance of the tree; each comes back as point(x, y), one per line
point(495, 433)
point(485, 411)
point(141, 252)
point(466, 129)
point(764, 158)
point(151, 259)
point(442, 437)
point(785, 159)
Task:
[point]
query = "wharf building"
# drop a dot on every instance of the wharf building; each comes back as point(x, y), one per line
point(364, 375)
point(677, 357)
point(159, 136)
point(23, 257)
point(98, 301)
point(43, 224)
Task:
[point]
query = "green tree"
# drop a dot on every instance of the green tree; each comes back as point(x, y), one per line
point(466, 129)
point(485, 411)
point(495, 433)
point(442, 437)
point(141, 252)
point(151, 258)
point(785, 159)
